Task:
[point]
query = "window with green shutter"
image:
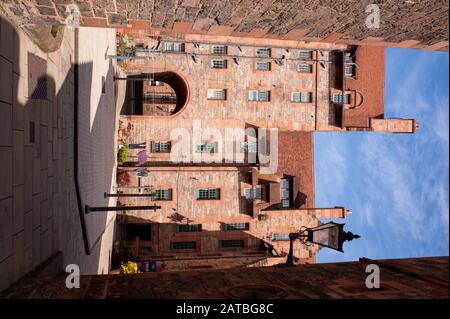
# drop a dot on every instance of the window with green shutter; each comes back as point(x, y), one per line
point(301, 97)
point(259, 95)
point(160, 146)
point(184, 228)
point(340, 98)
point(208, 193)
point(237, 226)
point(231, 243)
point(162, 194)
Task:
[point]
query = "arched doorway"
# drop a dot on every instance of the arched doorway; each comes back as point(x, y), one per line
point(155, 94)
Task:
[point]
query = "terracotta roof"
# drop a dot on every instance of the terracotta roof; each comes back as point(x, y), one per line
point(296, 158)
point(369, 82)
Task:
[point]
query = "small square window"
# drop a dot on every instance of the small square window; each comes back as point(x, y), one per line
point(219, 64)
point(184, 228)
point(305, 54)
point(304, 68)
point(263, 66)
point(350, 70)
point(162, 194)
point(301, 97)
point(340, 98)
point(280, 237)
point(103, 85)
point(237, 226)
point(208, 193)
point(262, 95)
point(174, 47)
point(263, 52)
point(217, 94)
point(183, 245)
point(160, 146)
point(219, 49)
point(231, 243)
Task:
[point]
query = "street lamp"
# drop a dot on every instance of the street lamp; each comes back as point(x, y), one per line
point(331, 235)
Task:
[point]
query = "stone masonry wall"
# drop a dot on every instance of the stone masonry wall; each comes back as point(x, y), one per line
point(417, 24)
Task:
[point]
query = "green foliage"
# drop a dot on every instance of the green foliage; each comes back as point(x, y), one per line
point(123, 154)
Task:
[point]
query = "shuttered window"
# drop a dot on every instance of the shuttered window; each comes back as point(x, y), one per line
point(162, 194)
point(263, 66)
point(208, 193)
point(217, 94)
point(261, 95)
point(301, 97)
point(219, 64)
point(340, 98)
point(304, 68)
point(263, 52)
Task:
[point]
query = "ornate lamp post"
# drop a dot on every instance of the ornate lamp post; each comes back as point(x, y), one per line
point(331, 235)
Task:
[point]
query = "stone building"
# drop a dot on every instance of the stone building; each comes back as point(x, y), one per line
point(227, 124)
point(409, 278)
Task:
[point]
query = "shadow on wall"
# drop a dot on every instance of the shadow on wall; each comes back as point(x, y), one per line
point(40, 213)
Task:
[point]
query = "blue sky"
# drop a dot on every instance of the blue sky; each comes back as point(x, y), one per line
point(396, 185)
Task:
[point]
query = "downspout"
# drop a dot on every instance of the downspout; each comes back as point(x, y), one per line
point(75, 144)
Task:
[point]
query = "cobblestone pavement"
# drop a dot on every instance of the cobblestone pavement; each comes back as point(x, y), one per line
point(38, 206)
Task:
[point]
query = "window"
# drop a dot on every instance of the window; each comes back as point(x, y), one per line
point(182, 228)
point(263, 52)
point(183, 245)
point(348, 58)
point(103, 85)
point(262, 96)
point(231, 243)
point(217, 94)
point(237, 226)
point(208, 193)
point(219, 64)
point(162, 194)
point(206, 147)
point(301, 97)
point(305, 54)
point(340, 98)
point(160, 146)
point(219, 49)
point(253, 193)
point(174, 47)
point(248, 147)
point(280, 237)
point(304, 68)
point(131, 231)
point(350, 70)
point(263, 66)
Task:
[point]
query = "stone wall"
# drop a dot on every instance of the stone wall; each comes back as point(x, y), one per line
point(418, 24)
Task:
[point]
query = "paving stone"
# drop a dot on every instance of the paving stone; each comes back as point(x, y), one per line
point(28, 178)
point(18, 255)
point(6, 269)
point(36, 247)
point(6, 157)
point(7, 123)
point(18, 212)
point(18, 158)
point(36, 175)
point(6, 227)
point(36, 211)
point(6, 79)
